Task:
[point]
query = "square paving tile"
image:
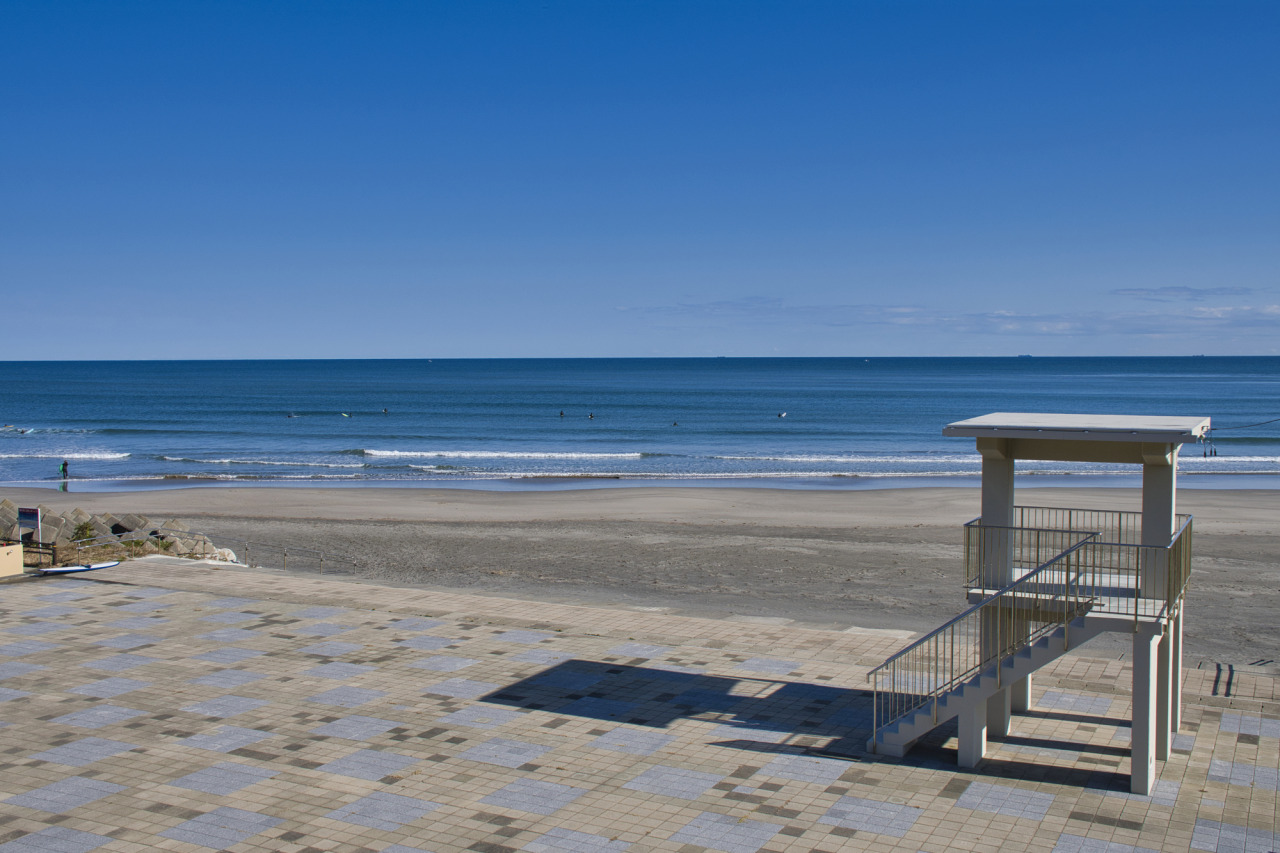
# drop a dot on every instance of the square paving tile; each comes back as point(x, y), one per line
point(545, 656)
point(479, 717)
point(1230, 838)
point(230, 635)
point(230, 654)
point(632, 741)
point(225, 739)
point(771, 666)
point(97, 716)
point(225, 778)
point(7, 694)
point(415, 623)
point(228, 678)
point(427, 643)
point(26, 647)
point(56, 839)
point(347, 697)
point(65, 795)
point(443, 663)
point(505, 752)
point(560, 840)
point(321, 629)
point(462, 688)
point(13, 669)
point(1061, 700)
point(84, 751)
point(875, 816)
point(722, 832)
point(356, 727)
point(1068, 843)
point(120, 663)
point(370, 764)
point(674, 782)
point(226, 706)
point(806, 768)
point(383, 810)
point(533, 795)
point(1005, 800)
point(639, 650)
point(1248, 775)
point(524, 637)
point(331, 649)
point(221, 828)
point(338, 671)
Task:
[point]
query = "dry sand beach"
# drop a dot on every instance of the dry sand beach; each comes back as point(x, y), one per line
point(884, 560)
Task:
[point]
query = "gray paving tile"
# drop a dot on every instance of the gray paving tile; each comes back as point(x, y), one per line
point(7, 694)
point(225, 706)
point(355, 727)
point(568, 680)
point(65, 794)
point(339, 671)
point(1061, 700)
point(755, 732)
point(1005, 800)
point(224, 603)
point(14, 669)
point(638, 650)
point(321, 629)
point(415, 623)
point(369, 764)
point(771, 666)
point(231, 617)
point(673, 782)
point(347, 697)
point(806, 768)
point(1068, 843)
point(400, 848)
point(119, 663)
point(318, 612)
point(97, 716)
point(545, 656)
point(443, 663)
point(427, 643)
point(138, 623)
point(331, 649)
point(1163, 792)
point(1248, 775)
point(479, 717)
point(632, 741)
point(525, 637)
point(1249, 724)
point(36, 629)
point(225, 739)
point(462, 688)
point(230, 654)
point(533, 795)
point(224, 778)
point(84, 751)
point(1183, 743)
point(504, 752)
point(228, 678)
point(871, 816)
point(221, 828)
point(25, 647)
point(1231, 838)
point(106, 688)
point(560, 840)
point(230, 635)
point(147, 592)
point(56, 839)
point(383, 810)
point(143, 607)
point(728, 834)
point(599, 709)
point(53, 611)
point(66, 595)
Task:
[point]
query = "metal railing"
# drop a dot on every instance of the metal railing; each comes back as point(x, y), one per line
point(1042, 579)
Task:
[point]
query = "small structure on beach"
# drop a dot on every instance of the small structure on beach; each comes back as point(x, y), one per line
point(1043, 580)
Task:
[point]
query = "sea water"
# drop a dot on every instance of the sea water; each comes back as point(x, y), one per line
point(552, 423)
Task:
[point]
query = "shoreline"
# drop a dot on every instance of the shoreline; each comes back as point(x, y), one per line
point(837, 559)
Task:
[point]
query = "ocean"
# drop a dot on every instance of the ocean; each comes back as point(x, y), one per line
point(559, 423)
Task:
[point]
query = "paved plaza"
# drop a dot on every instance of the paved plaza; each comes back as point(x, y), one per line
point(175, 705)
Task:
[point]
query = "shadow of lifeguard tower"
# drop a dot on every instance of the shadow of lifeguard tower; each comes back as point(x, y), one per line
point(1042, 581)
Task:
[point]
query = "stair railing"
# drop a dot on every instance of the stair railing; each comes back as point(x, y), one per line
point(1006, 621)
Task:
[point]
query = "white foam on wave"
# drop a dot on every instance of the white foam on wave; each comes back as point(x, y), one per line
point(495, 454)
point(923, 458)
point(263, 462)
point(90, 455)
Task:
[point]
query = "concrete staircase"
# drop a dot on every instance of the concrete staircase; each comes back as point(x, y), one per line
point(898, 736)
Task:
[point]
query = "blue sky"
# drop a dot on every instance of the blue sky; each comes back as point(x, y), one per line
point(496, 179)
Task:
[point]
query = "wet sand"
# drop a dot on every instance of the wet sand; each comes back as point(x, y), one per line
point(887, 560)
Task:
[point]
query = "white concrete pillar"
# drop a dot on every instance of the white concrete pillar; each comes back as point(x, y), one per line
point(1175, 684)
point(1164, 683)
point(1020, 695)
point(997, 562)
point(1159, 510)
point(999, 708)
point(972, 736)
point(1143, 743)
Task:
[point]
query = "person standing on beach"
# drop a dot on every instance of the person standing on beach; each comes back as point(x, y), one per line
point(64, 469)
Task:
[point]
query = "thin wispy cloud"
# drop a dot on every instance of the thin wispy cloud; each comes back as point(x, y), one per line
point(1181, 294)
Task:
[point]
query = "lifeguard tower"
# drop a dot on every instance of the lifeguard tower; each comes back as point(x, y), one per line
point(1042, 581)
